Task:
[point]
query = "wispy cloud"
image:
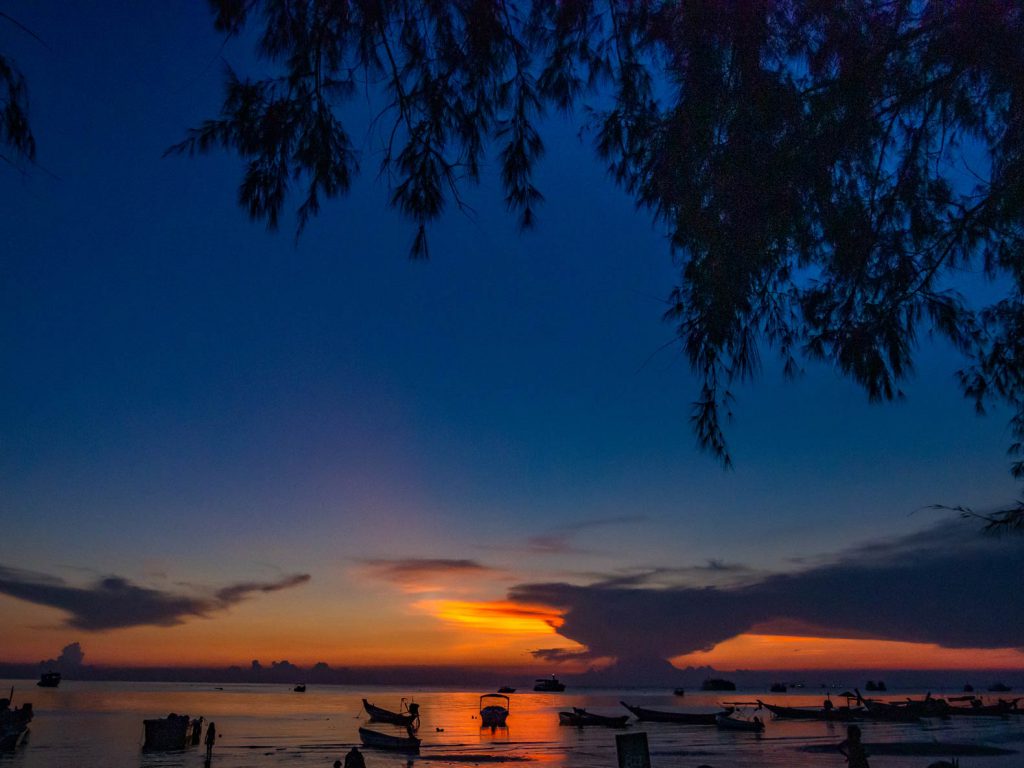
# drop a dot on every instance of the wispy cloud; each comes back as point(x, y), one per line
point(113, 602)
point(947, 585)
point(417, 574)
point(559, 541)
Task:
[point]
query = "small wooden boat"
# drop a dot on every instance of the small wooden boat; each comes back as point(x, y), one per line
point(387, 741)
point(551, 685)
point(14, 726)
point(506, 689)
point(49, 680)
point(570, 718)
point(493, 710)
point(408, 717)
point(838, 714)
point(300, 688)
point(682, 718)
point(727, 723)
point(589, 718)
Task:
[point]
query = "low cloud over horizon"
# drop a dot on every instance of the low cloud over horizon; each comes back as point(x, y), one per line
point(948, 585)
point(113, 602)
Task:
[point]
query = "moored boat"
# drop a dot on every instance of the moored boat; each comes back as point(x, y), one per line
point(681, 718)
point(380, 740)
point(590, 718)
point(548, 685)
point(728, 723)
point(842, 714)
point(409, 717)
point(506, 689)
point(678, 691)
point(49, 680)
point(300, 688)
point(14, 725)
point(493, 710)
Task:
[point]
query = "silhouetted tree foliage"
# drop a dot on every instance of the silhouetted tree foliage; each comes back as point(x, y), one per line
point(15, 130)
point(825, 168)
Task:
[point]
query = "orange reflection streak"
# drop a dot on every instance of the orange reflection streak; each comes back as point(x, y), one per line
point(495, 616)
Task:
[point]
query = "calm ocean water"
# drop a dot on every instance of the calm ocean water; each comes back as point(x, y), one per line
point(99, 725)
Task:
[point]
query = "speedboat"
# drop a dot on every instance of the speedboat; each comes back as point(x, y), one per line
point(493, 710)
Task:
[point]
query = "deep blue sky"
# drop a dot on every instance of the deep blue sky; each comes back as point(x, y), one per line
point(178, 383)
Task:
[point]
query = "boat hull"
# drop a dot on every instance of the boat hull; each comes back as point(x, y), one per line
point(380, 740)
point(381, 715)
point(679, 718)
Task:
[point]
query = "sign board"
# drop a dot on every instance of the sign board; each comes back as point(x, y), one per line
point(632, 750)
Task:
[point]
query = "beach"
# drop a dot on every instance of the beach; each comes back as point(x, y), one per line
point(99, 725)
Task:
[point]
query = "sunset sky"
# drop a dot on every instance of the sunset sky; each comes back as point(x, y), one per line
point(219, 444)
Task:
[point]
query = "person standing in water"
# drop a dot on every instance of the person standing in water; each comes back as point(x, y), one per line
point(853, 750)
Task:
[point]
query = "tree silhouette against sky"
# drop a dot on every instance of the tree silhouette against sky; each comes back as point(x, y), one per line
point(832, 177)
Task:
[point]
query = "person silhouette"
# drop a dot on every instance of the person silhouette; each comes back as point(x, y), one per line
point(354, 759)
point(853, 750)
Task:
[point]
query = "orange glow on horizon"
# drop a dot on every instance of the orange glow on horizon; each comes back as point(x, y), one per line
point(756, 651)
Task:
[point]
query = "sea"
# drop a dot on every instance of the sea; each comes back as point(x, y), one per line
point(99, 725)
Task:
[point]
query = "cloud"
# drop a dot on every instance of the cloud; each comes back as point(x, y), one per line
point(113, 602)
point(558, 541)
point(414, 573)
point(947, 585)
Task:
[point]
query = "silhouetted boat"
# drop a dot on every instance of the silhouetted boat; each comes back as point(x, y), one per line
point(551, 685)
point(727, 723)
point(977, 708)
point(171, 733)
point(682, 718)
point(717, 684)
point(493, 713)
point(678, 691)
point(14, 726)
point(386, 741)
point(300, 688)
point(380, 715)
point(589, 718)
point(506, 689)
point(778, 688)
point(888, 712)
point(805, 713)
point(1000, 688)
point(968, 688)
point(49, 680)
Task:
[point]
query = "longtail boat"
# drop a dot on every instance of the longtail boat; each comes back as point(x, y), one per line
point(386, 741)
point(589, 718)
point(381, 715)
point(727, 723)
point(682, 718)
point(836, 714)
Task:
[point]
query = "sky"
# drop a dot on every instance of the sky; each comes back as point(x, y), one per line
point(219, 443)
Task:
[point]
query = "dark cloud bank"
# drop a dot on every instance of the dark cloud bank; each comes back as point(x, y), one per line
point(949, 585)
point(115, 603)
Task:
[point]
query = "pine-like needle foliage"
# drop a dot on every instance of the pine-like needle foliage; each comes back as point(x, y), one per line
point(825, 169)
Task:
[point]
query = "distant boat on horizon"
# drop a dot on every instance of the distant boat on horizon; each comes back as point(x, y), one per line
point(49, 680)
point(506, 689)
point(300, 688)
point(549, 685)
